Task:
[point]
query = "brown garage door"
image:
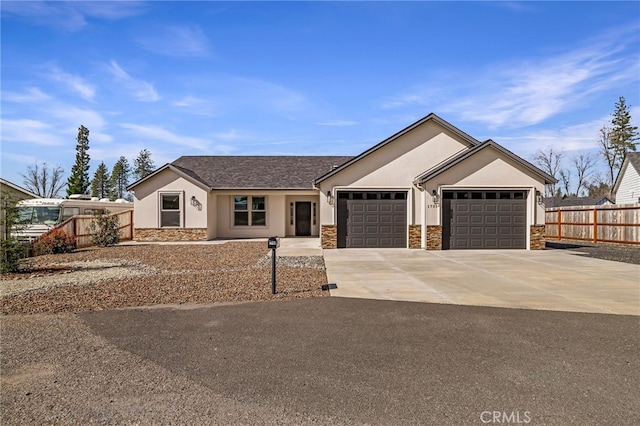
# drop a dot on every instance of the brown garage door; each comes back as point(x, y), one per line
point(484, 220)
point(372, 219)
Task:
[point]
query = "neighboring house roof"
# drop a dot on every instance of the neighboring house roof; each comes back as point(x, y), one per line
point(431, 117)
point(17, 188)
point(576, 201)
point(251, 172)
point(458, 158)
point(631, 159)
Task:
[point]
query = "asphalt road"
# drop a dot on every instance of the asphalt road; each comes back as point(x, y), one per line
point(356, 361)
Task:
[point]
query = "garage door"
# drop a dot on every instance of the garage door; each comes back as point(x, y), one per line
point(484, 220)
point(372, 219)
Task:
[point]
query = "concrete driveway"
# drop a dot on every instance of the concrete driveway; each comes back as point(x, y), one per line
point(548, 280)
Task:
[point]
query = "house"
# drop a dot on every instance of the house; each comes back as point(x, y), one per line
point(10, 194)
point(14, 192)
point(428, 186)
point(627, 186)
point(599, 200)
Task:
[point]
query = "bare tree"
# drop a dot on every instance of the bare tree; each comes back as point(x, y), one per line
point(584, 164)
point(565, 178)
point(44, 181)
point(610, 155)
point(549, 161)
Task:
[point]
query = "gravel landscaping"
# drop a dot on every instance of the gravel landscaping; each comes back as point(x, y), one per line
point(616, 252)
point(142, 275)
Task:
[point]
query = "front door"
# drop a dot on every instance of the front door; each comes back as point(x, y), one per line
point(303, 219)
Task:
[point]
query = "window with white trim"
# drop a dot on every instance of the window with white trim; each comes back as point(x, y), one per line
point(170, 210)
point(249, 210)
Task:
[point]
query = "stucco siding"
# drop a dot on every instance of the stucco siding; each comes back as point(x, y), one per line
point(277, 213)
point(487, 169)
point(629, 188)
point(147, 201)
point(394, 166)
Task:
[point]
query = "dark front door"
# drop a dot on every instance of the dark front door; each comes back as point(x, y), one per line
point(303, 219)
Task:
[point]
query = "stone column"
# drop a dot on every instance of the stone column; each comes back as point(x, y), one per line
point(434, 237)
point(328, 236)
point(537, 241)
point(415, 235)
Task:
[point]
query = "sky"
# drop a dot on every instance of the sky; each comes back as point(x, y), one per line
point(306, 78)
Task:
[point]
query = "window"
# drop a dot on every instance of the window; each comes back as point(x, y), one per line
point(170, 210)
point(249, 211)
point(314, 213)
point(68, 212)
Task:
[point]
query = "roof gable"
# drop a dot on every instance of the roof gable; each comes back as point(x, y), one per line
point(429, 118)
point(459, 158)
point(18, 188)
point(251, 172)
point(631, 158)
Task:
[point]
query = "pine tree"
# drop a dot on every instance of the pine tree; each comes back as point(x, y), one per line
point(623, 135)
point(120, 178)
point(143, 165)
point(78, 182)
point(101, 184)
point(618, 139)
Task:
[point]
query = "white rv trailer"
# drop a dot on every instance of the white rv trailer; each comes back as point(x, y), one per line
point(37, 216)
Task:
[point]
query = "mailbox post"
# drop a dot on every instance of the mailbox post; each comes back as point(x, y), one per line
point(273, 243)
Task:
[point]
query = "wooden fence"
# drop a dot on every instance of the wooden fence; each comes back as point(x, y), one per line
point(78, 228)
point(608, 224)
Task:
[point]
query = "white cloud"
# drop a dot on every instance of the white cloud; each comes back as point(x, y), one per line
point(179, 41)
point(194, 105)
point(141, 90)
point(32, 95)
point(70, 16)
point(29, 132)
point(73, 82)
point(529, 91)
point(159, 134)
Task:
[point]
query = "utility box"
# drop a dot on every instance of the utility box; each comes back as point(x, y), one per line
point(273, 243)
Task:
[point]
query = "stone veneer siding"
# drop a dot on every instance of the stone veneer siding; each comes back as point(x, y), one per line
point(415, 236)
point(329, 236)
point(170, 234)
point(434, 237)
point(537, 237)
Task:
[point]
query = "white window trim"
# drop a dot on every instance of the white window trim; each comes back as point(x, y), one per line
point(182, 209)
point(249, 211)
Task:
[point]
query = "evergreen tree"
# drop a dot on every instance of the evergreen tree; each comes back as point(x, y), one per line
point(78, 182)
point(623, 135)
point(101, 184)
point(143, 165)
point(618, 139)
point(120, 178)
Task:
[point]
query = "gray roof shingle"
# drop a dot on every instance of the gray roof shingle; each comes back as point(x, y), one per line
point(257, 172)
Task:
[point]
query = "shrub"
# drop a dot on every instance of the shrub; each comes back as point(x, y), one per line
point(12, 252)
point(104, 230)
point(57, 241)
point(11, 249)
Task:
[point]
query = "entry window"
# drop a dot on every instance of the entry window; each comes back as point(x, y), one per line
point(249, 210)
point(314, 213)
point(170, 211)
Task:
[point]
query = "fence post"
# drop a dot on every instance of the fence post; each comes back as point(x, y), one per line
point(595, 224)
point(131, 224)
point(559, 224)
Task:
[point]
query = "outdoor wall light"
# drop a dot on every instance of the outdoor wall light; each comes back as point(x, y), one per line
point(436, 197)
point(329, 198)
point(539, 198)
point(194, 202)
